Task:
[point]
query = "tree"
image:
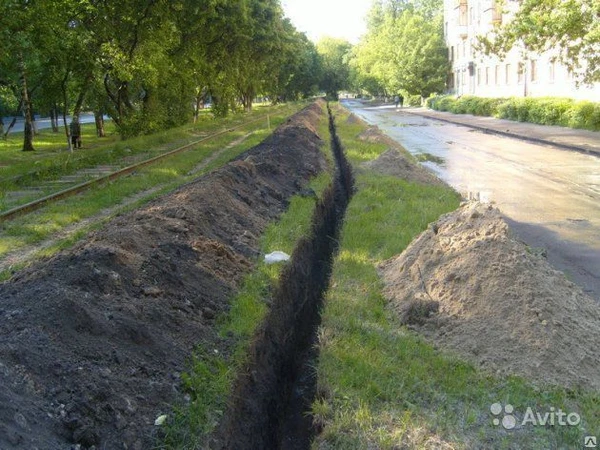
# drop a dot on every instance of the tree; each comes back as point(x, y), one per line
point(148, 63)
point(335, 56)
point(571, 26)
point(402, 50)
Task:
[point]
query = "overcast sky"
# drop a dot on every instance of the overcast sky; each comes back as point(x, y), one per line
point(336, 18)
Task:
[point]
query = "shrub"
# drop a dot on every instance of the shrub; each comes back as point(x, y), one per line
point(543, 110)
point(413, 100)
point(584, 114)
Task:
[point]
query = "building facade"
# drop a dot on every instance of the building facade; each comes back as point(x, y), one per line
point(519, 74)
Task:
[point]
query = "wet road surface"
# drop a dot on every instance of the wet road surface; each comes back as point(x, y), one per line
point(551, 197)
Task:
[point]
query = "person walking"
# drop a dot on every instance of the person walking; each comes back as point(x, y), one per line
point(401, 100)
point(75, 129)
point(396, 101)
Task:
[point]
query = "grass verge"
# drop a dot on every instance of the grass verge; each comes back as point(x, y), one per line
point(381, 385)
point(210, 377)
point(141, 186)
point(51, 161)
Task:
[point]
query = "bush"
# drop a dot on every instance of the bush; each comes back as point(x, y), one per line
point(413, 100)
point(584, 114)
point(544, 110)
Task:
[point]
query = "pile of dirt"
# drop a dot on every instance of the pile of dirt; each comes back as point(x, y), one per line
point(94, 340)
point(467, 285)
point(396, 161)
point(399, 163)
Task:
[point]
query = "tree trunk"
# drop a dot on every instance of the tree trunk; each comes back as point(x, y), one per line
point(1, 125)
point(65, 111)
point(99, 119)
point(10, 126)
point(81, 98)
point(67, 131)
point(54, 119)
point(28, 129)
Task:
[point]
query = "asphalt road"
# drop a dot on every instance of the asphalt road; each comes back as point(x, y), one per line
point(44, 122)
point(551, 197)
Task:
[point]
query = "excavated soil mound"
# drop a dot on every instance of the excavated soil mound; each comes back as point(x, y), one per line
point(396, 161)
point(467, 285)
point(399, 163)
point(94, 339)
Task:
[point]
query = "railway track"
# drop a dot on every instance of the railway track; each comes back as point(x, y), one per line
point(81, 187)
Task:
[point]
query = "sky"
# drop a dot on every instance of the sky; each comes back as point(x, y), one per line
point(336, 18)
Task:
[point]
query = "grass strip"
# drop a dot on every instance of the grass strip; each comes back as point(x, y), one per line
point(209, 380)
point(381, 385)
point(156, 179)
point(51, 161)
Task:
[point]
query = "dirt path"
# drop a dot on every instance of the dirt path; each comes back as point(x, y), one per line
point(95, 339)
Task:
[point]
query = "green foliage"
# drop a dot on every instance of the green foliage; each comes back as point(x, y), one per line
point(571, 26)
point(150, 64)
point(403, 50)
point(413, 100)
point(334, 55)
point(543, 110)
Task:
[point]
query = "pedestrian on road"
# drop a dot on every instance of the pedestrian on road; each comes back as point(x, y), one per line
point(401, 100)
point(75, 129)
point(396, 101)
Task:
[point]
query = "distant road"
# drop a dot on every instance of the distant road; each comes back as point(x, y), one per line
point(43, 122)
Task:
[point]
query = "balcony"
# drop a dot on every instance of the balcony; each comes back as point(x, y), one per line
point(462, 31)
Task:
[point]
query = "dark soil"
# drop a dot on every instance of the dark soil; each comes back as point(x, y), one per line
point(272, 396)
point(94, 340)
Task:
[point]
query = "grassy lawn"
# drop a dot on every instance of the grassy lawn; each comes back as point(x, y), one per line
point(143, 185)
point(381, 385)
point(51, 159)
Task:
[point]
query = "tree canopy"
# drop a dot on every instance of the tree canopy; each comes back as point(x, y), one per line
point(149, 63)
point(403, 49)
point(572, 26)
point(335, 54)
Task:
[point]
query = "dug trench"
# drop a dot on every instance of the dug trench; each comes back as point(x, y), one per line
point(95, 339)
point(273, 394)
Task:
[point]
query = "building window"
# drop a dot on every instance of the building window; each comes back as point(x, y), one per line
point(534, 73)
point(552, 71)
point(507, 77)
point(521, 73)
point(463, 13)
point(487, 75)
point(478, 77)
point(497, 75)
point(452, 53)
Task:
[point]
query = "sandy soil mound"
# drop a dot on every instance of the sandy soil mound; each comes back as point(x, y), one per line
point(469, 286)
point(396, 161)
point(399, 164)
point(94, 340)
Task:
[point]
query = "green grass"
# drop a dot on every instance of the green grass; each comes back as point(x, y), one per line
point(158, 178)
point(51, 160)
point(381, 385)
point(211, 375)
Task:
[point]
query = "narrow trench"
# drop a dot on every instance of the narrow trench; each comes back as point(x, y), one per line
point(272, 397)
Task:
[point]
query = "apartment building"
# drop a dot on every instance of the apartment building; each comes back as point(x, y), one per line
point(518, 74)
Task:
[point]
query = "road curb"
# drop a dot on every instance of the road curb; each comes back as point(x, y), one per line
point(532, 139)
